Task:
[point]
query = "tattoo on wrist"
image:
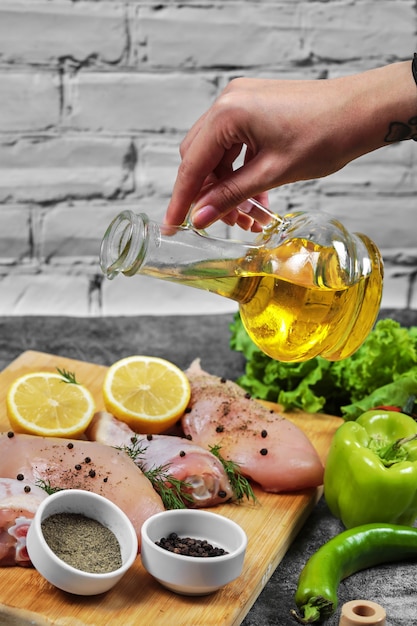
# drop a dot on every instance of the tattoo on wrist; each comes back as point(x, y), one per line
point(399, 131)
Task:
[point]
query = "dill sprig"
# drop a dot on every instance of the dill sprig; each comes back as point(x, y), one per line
point(135, 450)
point(46, 486)
point(240, 485)
point(172, 490)
point(67, 377)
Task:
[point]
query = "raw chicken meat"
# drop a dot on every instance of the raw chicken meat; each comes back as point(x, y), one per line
point(18, 504)
point(268, 448)
point(204, 474)
point(65, 464)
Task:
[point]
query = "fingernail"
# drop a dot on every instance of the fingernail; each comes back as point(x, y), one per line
point(205, 216)
point(246, 206)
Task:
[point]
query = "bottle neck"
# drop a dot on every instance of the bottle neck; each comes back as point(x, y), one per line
point(134, 244)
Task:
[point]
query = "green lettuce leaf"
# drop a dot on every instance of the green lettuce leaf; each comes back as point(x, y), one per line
point(383, 371)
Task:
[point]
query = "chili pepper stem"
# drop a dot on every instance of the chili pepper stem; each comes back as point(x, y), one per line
point(314, 611)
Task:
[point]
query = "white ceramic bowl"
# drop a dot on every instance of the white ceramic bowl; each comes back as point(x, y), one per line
point(189, 575)
point(60, 573)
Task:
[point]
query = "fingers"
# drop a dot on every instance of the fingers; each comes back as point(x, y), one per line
point(229, 193)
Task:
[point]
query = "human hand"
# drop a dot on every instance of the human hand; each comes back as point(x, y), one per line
point(283, 128)
point(290, 130)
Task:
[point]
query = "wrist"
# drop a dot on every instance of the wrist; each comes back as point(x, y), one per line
point(381, 107)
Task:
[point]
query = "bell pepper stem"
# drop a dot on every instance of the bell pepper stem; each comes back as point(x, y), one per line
point(389, 456)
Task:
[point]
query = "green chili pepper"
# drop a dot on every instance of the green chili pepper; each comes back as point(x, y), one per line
point(371, 470)
point(349, 552)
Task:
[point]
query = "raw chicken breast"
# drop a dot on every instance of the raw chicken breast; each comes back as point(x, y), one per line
point(204, 474)
point(66, 464)
point(18, 504)
point(269, 449)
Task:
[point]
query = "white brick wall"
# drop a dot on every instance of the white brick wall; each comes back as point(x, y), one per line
point(96, 96)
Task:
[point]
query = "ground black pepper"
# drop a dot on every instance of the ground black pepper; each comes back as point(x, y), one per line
point(82, 542)
point(187, 546)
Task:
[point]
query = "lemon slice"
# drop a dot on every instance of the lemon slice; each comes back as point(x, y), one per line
point(43, 403)
point(148, 393)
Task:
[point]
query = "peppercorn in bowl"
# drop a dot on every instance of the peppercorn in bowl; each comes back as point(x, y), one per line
point(81, 542)
point(191, 551)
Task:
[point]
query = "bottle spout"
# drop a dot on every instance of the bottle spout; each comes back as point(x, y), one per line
point(124, 244)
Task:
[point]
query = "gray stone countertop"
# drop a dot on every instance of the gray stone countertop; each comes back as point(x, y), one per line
point(181, 339)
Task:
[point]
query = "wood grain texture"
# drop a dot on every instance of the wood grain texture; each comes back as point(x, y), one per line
point(271, 526)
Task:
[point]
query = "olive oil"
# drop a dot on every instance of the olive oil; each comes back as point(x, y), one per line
point(298, 297)
point(286, 313)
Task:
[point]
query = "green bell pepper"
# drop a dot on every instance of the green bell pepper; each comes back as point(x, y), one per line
point(371, 470)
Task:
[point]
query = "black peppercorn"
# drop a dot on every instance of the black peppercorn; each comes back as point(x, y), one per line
point(220, 428)
point(264, 451)
point(182, 453)
point(27, 489)
point(78, 466)
point(70, 446)
point(92, 473)
point(10, 434)
point(187, 546)
point(87, 459)
point(264, 434)
point(20, 477)
point(149, 437)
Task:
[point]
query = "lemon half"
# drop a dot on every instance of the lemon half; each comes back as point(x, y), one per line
point(148, 393)
point(43, 403)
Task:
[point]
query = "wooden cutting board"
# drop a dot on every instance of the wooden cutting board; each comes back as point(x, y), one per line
point(271, 525)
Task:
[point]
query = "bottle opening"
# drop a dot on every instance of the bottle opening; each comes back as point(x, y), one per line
point(122, 247)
